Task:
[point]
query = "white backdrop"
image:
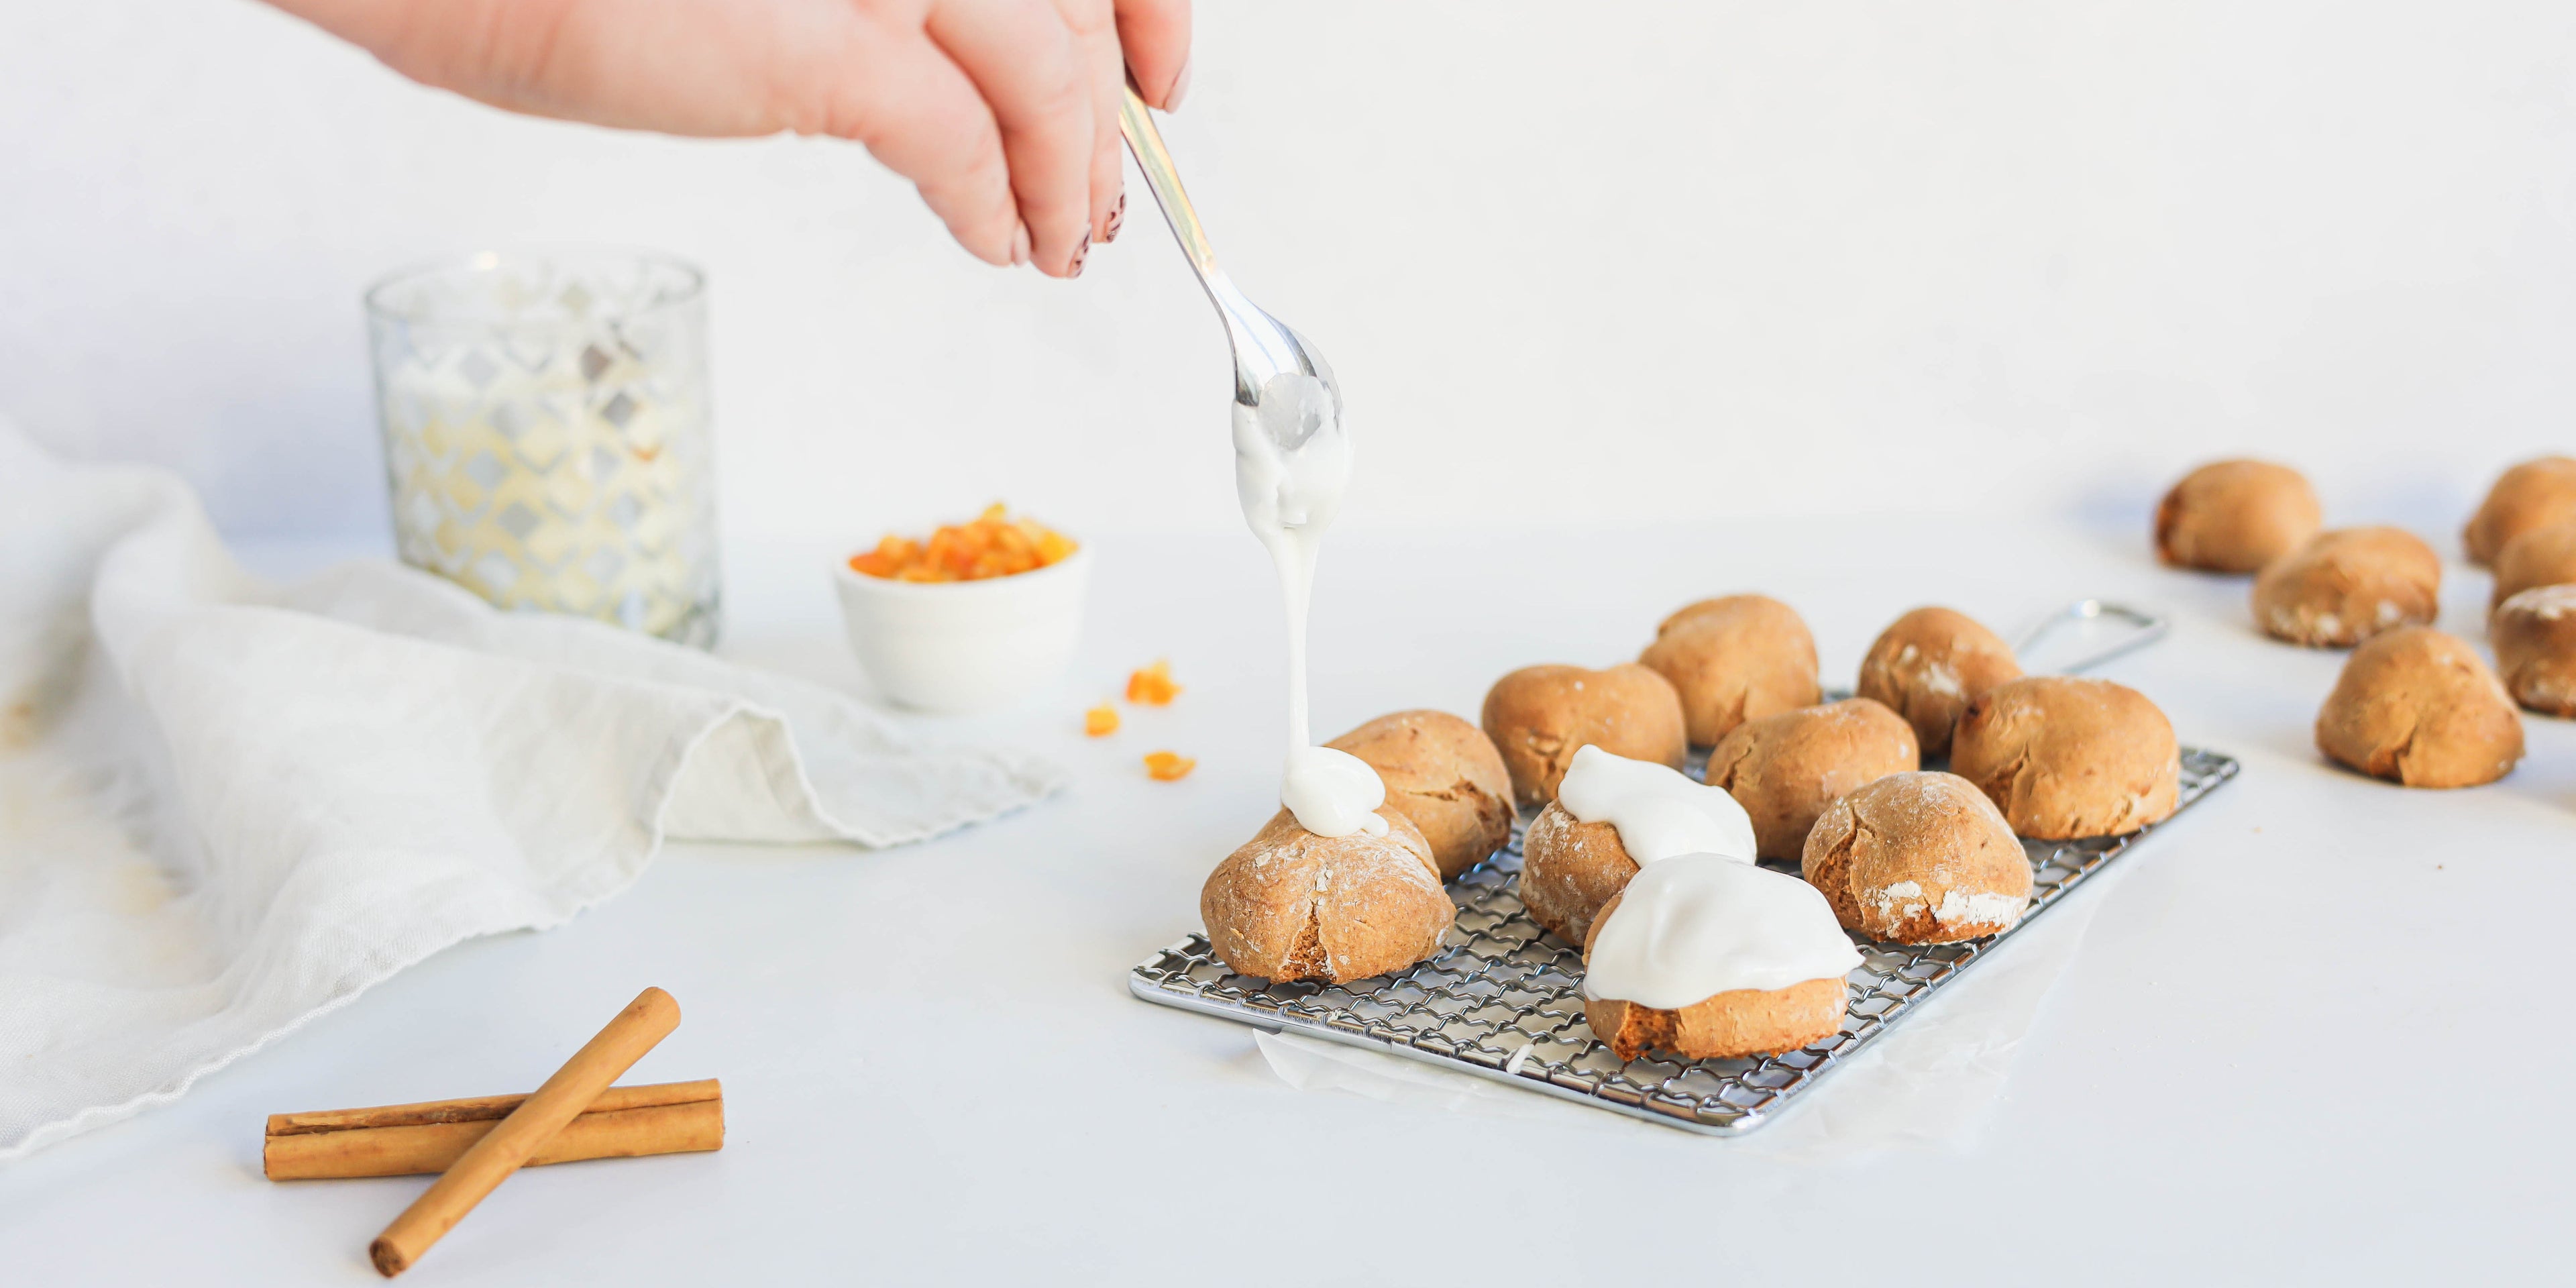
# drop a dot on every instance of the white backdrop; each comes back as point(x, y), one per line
point(1651, 264)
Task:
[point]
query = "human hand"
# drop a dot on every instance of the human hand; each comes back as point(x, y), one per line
point(1004, 113)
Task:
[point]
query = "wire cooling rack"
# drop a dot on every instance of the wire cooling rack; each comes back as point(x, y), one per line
point(1504, 999)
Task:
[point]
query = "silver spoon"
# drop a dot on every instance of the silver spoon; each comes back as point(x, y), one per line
point(1276, 372)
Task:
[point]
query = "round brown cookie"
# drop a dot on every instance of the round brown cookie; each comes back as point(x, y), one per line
point(1734, 659)
point(1445, 777)
point(1785, 769)
point(1539, 716)
point(1919, 858)
point(2539, 557)
point(1569, 870)
point(2534, 494)
point(2534, 634)
point(1735, 1023)
point(2066, 757)
point(1928, 664)
point(2342, 587)
point(1292, 905)
point(2416, 706)
point(2235, 516)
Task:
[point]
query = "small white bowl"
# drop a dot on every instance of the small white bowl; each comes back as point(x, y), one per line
point(954, 647)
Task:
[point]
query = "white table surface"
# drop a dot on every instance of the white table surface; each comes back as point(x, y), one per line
point(2309, 1037)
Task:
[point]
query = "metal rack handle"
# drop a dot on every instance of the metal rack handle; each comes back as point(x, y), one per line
point(2150, 628)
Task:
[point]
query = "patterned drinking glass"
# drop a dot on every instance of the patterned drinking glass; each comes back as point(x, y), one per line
point(547, 436)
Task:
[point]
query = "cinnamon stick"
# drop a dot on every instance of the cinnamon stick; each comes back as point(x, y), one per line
point(403, 1140)
point(546, 1112)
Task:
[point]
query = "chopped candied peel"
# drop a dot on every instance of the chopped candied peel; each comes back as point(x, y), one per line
point(1100, 721)
point(1152, 686)
point(993, 545)
point(1168, 766)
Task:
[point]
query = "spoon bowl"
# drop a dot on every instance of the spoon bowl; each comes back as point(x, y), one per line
point(1281, 383)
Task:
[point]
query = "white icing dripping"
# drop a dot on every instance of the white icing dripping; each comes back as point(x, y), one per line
point(1658, 811)
point(1332, 792)
point(1292, 462)
point(1692, 926)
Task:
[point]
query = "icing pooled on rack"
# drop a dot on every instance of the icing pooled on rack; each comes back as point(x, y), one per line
point(1658, 811)
point(1292, 462)
point(1692, 926)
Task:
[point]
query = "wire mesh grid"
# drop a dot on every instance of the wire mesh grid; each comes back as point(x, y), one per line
point(1504, 999)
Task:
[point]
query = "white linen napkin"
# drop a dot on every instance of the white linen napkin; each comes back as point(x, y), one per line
point(226, 807)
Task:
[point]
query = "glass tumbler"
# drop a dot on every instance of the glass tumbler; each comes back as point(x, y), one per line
point(547, 436)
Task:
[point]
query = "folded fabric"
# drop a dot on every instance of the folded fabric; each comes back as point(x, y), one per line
point(228, 807)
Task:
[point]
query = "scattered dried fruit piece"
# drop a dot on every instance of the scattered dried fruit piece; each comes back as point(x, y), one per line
point(993, 545)
point(1100, 721)
point(1152, 685)
point(1167, 766)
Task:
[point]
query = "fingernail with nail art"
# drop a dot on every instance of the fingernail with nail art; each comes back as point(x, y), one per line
point(1080, 253)
point(1117, 219)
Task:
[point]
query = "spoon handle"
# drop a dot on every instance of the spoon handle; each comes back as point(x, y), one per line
point(1156, 161)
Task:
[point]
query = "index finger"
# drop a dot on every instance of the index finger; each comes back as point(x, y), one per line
point(1023, 59)
point(1156, 36)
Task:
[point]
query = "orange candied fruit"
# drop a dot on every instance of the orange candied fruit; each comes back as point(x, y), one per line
point(1152, 686)
point(993, 545)
point(1100, 721)
point(1168, 766)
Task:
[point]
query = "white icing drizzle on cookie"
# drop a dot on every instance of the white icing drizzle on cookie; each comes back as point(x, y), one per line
point(1692, 926)
point(1332, 792)
point(1658, 811)
point(1291, 464)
